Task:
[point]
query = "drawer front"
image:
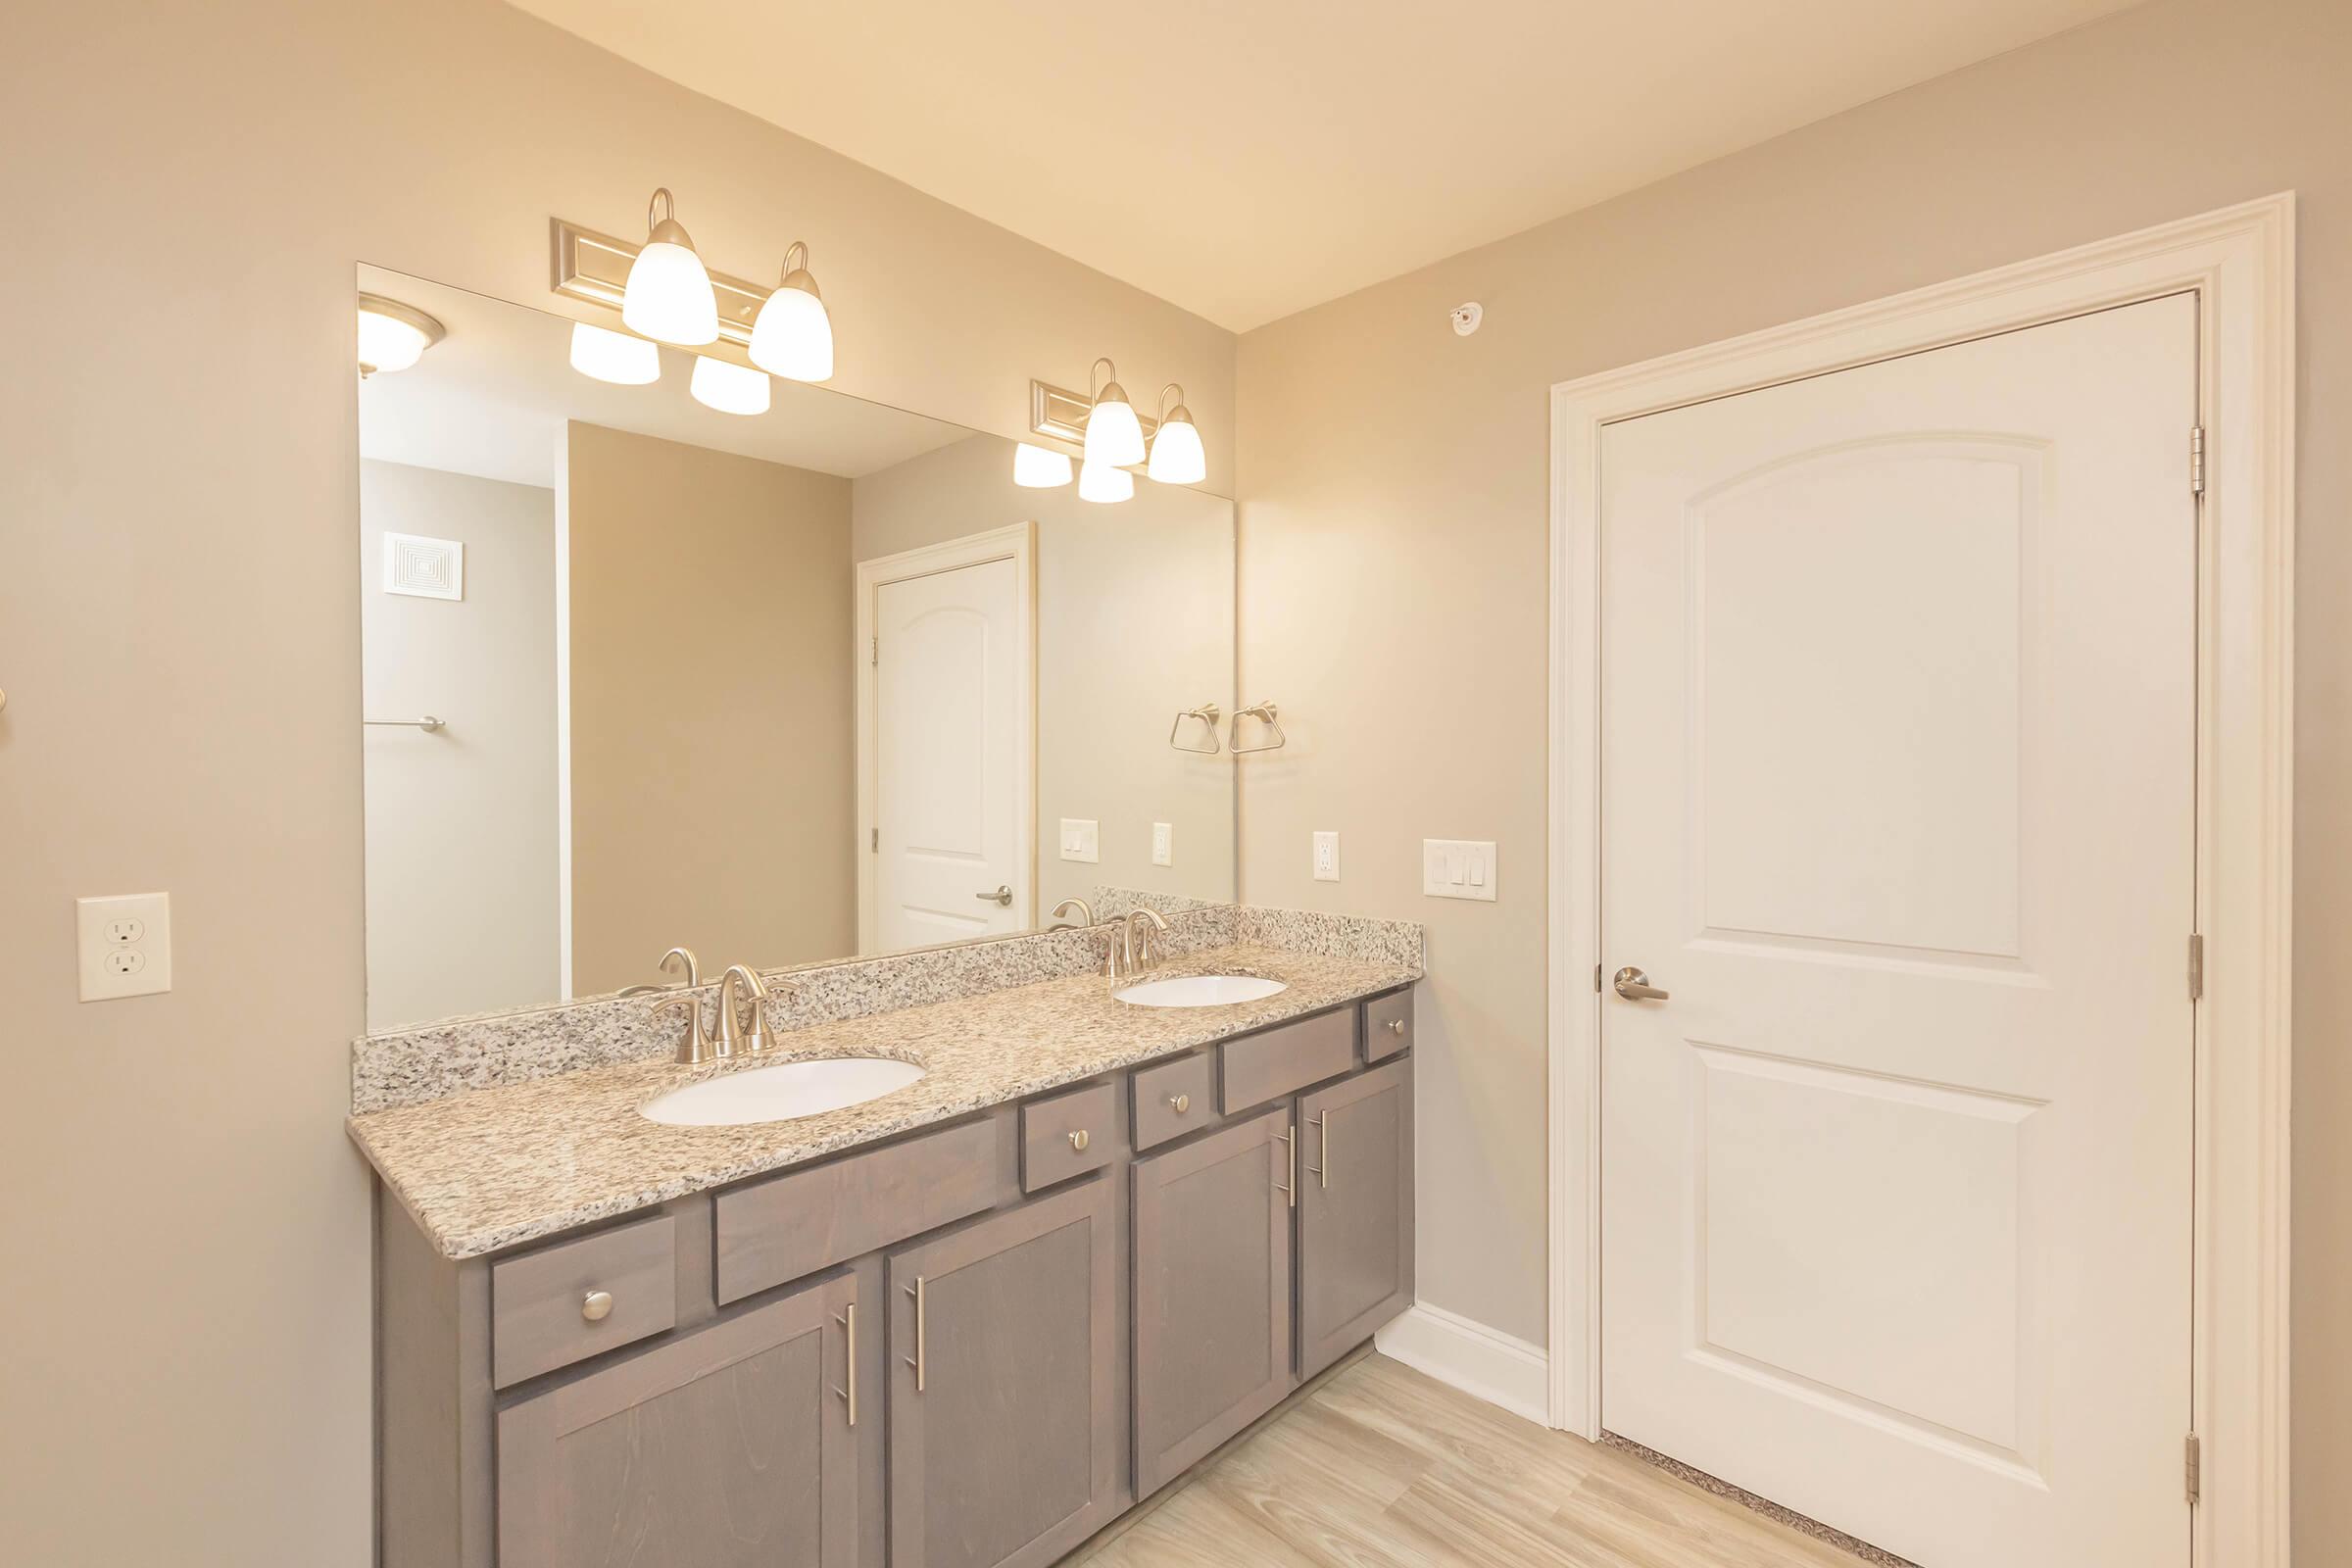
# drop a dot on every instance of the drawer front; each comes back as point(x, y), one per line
point(789, 1226)
point(1389, 1025)
point(1266, 1066)
point(1173, 1099)
point(575, 1300)
point(1069, 1135)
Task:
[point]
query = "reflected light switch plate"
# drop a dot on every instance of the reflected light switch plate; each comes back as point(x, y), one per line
point(1164, 844)
point(1081, 840)
point(1458, 869)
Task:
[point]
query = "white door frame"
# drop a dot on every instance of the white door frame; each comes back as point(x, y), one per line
point(1016, 543)
point(2241, 263)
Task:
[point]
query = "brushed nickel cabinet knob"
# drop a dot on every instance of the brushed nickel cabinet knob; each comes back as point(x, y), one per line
point(1179, 1104)
point(596, 1305)
point(1395, 1026)
point(1079, 1140)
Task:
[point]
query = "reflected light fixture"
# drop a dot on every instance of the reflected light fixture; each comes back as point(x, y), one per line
point(393, 336)
point(668, 295)
point(728, 387)
point(1115, 437)
point(1036, 469)
point(604, 354)
point(1100, 481)
point(794, 336)
point(1176, 454)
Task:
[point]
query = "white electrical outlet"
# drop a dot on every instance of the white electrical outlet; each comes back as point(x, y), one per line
point(1327, 857)
point(125, 945)
point(1457, 868)
point(1081, 840)
point(1164, 844)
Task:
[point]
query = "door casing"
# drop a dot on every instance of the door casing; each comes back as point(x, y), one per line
point(2239, 262)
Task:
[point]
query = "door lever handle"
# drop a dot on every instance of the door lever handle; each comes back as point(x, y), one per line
point(1003, 895)
point(1633, 986)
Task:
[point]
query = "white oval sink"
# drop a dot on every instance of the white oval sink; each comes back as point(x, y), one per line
point(1200, 991)
point(781, 1093)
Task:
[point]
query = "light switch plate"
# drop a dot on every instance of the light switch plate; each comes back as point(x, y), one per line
point(1458, 869)
point(1164, 844)
point(1327, 857)
point(1081, 840)
point(125, 945)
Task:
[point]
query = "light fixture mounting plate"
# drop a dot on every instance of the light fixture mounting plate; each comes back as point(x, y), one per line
point(1060, 412)
point(595, 268)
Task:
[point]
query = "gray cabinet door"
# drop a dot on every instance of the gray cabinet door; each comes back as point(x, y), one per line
point(728, 1447)
point(1212, 1292)
point(1003, 1420)
point(1355, 1210)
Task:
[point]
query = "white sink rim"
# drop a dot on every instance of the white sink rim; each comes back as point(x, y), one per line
point(1200, 991)
point(784, 1091)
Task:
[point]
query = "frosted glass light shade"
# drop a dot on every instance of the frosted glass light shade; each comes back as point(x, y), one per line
point(602, 354)
point(792, 335)
point(1099, 482)
point(668, 295)
point(1114, 436)
point(1036, 469)
point(728, 387)
point(393, 336)
point(1176, 454)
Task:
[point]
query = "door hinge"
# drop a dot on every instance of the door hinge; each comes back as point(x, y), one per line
point(874, 843)
point(1596, 977)
point(874, 653)
point(2192, 1467)
point(2196, 966)
point(2197, 460)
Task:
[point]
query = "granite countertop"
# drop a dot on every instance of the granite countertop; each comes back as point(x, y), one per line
point(485, 1170)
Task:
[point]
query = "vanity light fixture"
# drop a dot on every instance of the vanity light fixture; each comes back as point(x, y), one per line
point(1177, 456)
point(1115, 437)
point(728, 387)
point(1101, 481)
point(393, 336)
point(602, 354)
point(794, 336)
point(1036, 469)
point(669, 294)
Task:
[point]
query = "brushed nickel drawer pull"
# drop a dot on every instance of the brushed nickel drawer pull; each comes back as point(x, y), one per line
point(1179, 1104)
point(596, 1305)
point(1289, 1155)
point(846, 1317)
point(1079, 1140)
point(1322, 1126)
point(916, 1359)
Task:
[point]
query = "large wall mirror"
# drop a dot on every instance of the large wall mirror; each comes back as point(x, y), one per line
point(779, 687)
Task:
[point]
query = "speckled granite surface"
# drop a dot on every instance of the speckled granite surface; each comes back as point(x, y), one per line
point(485, 1170)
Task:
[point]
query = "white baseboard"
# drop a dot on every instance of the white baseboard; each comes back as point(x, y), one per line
point(1483, 1362)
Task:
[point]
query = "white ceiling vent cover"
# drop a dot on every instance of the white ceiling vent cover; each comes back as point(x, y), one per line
point(426, 569)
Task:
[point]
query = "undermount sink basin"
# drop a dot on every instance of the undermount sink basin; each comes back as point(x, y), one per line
point(781, 1093)
point(1200, 991)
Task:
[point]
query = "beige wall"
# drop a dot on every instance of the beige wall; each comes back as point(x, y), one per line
point(1395, 477)
point(189, 190)
point(472, 806)
point(710, 709)
point(1133, 624)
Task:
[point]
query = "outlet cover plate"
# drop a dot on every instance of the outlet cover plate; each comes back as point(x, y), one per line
point(1458, 869)
point(123, 945)
point(1164, 844)
point(1327, 857)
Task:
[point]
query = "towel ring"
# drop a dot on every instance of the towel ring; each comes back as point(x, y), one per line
point(1208, 713)
point(1264, 711)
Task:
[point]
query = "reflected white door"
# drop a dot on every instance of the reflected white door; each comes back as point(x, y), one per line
point(951, 668)
point(1897, 791)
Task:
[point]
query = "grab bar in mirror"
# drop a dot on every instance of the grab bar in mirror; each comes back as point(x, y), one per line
point(1208, 713)
point(428, 722)
point(1264, 711)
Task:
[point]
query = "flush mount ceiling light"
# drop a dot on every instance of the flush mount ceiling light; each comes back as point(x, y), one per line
point(1115, 437)
point(728, 387)
point(1036, 469)
point(1100, 481)
point(1177, 456)
point(668, 295)
point(615, 357)
point(393, 336)
point(794, 336)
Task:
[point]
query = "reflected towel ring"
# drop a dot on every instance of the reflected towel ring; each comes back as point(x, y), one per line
point(1264, 711)
point(1208, 713)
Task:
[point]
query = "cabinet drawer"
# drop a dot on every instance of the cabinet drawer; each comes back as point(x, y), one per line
point(575, 1300)
point(1389, 1025)
point(1173, 1099)
point(1067, 1134)
point(789, 1226)
point(1266, 1066)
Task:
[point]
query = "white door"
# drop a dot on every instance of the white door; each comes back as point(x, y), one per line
point(1897, 788)
point(950, 770)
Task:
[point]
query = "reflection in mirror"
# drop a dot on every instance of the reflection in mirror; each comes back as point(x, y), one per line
point(779, 687)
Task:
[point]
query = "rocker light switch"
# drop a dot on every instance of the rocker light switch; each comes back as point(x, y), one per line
point(1081, 840)
point(1457, 868)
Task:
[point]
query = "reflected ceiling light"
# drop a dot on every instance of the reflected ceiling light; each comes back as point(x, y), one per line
point(1114, 436)
point(1176, 454)
point(393, 336)
point(669, 292)
point(794, 336)
point(1036, 469)
point(728, 387)
point(602, 354)
point(1100, 481)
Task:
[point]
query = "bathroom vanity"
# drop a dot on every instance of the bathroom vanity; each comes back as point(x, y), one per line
point(1117, 1237)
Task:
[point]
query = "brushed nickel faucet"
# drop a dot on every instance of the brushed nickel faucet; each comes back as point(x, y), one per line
point(731, 1038)
point(1085, 915)
point(1131, 943)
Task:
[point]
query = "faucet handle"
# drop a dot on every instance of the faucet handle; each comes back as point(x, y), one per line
point(694, 1045)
